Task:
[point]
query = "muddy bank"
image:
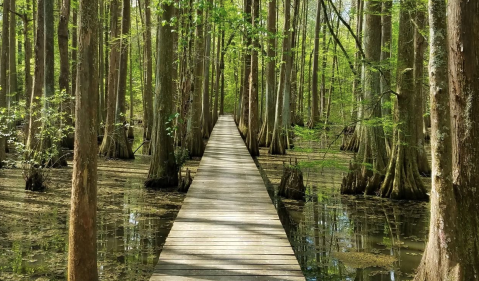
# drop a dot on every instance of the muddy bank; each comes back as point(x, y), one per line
point(338, 237)
point(132, 223)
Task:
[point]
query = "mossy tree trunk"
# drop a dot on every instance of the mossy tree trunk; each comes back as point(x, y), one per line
point(402, 179)
point(3, 73)
point(266, 132)
point(163, 169)
point(366, 174)
point(452, 251)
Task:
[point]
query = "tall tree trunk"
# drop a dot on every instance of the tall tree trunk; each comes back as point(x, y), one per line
point(219, 71)
point(244, 115)
point(386, 33)
point(402, 179)
point(74, 53)
point(115, 144)
point(195, 140)
point(366, 174)
point(288, 63)
point(12, 64)
point(148, 96)
point(163, 169)
point(64, 79)
point(82, 261)
point(253, 122)
point(266, 133)
point(419, 49)
point(206, 117)
point(28, 75)
point(37, 91)
point(3, 73)
point(277, 141)
point(452, 250)
point(315, 93)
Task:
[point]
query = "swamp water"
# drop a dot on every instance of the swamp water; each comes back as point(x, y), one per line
point(335, 237)
point(132, 222)
point(340, 237)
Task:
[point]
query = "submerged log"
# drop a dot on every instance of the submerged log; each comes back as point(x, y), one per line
point(292, 185)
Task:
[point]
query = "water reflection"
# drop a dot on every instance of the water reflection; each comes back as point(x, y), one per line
point(132, 224)
point(337, 237)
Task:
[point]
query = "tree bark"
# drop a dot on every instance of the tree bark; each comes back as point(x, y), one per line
point(278, 138)
point(205, 115)
point(195, 140)
point(366, 174)
point(163, 169)
point(28, 75)
point(419, 49)
point(148, 60)
point(315, 91)
point(3, 74)
point(115, 143)
point(452, 250)
point(35, 100)
point(244, 115)
point(402, 179)
point(12, 64)
point(266, 132)
point(82, 261)
point(64, 79)
point(253, 122)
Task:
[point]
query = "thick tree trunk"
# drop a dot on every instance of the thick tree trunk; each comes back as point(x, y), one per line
point(64, 79)
point(253, 122)
point(315, 91)
point(195, 140)
point(3, 73)
point(278, 138)
point(163, 169)
point(37, 91)
point(419, 49)
point(402, 179)
point(452, 251)
point(82, 262)
point(366, 173)
point(266, 132)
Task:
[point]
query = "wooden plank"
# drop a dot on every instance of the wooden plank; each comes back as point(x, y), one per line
point(227, 228)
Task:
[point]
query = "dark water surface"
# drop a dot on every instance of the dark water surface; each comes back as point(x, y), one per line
point(132, 223)
point(338, 237)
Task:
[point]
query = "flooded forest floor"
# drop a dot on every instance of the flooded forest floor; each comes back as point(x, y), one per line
point(335, 237)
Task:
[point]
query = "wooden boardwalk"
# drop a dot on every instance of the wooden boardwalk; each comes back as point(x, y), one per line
point(227, 228)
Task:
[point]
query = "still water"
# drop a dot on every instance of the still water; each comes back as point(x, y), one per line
point(338, 237)
point(132, 223)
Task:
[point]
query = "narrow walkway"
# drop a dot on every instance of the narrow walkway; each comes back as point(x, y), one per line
point(227, 228)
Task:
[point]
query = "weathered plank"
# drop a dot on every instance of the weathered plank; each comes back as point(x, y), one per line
point(227, 228)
